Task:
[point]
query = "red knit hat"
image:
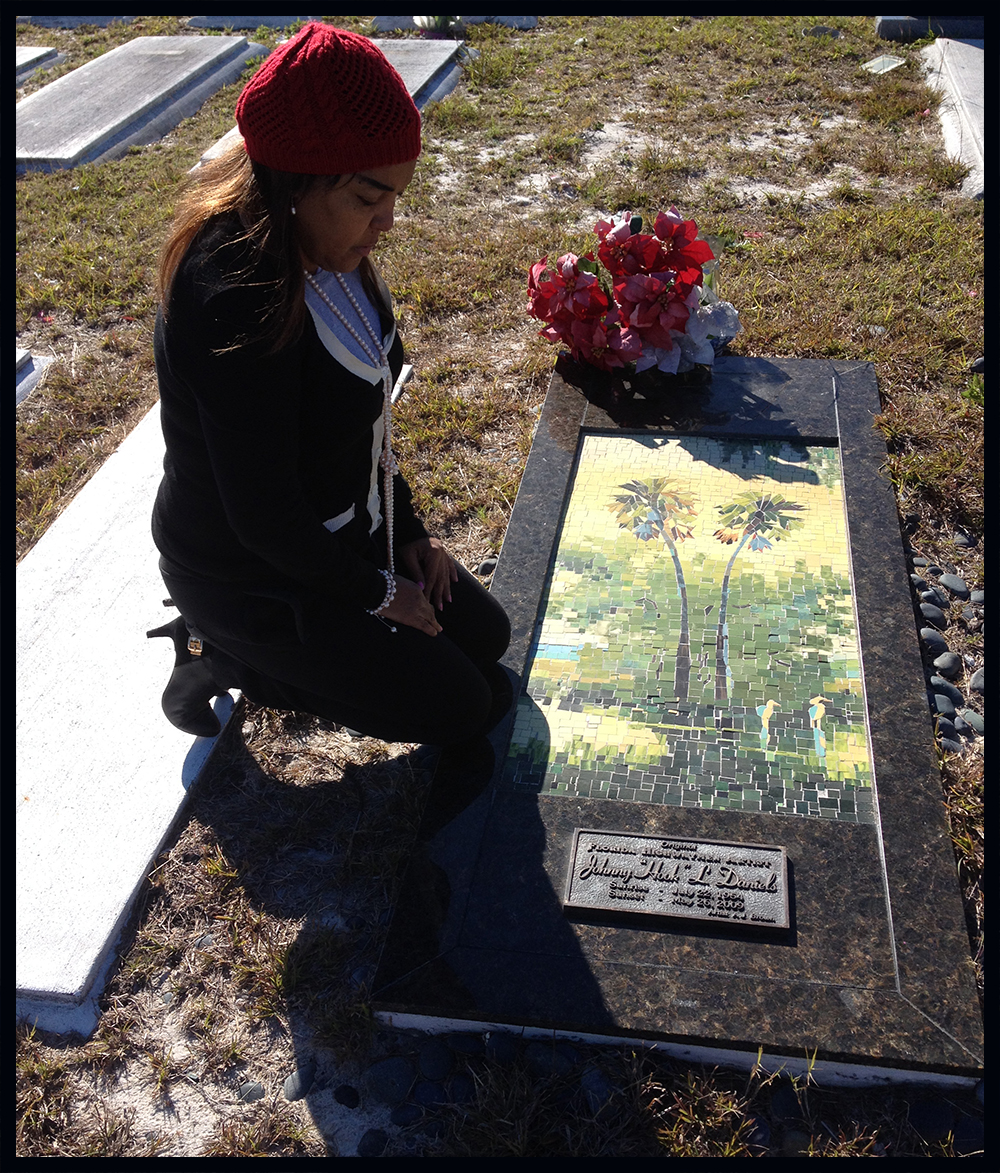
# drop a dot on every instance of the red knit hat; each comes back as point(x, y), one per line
point(327, 102)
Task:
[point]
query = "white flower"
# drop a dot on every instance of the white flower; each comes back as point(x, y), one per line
point(720, 319)
point(694, 345)
point(664, 360)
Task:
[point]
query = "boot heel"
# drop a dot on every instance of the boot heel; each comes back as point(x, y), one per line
point(165, 630)
point(186, 700)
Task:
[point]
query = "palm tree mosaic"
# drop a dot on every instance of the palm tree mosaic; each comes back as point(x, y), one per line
point(659, 509)
point(697, 644)
point(750, 517)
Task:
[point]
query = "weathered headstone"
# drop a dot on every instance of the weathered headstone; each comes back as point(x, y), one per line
point(243, 23)
point(29, 371)
point(73, 22)
point(715, 822)
point(133, 94)
point(32, 57)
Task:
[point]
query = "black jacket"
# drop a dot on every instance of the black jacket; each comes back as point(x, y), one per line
point(262, 449)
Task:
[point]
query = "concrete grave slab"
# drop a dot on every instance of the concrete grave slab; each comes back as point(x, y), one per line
point(511, 22)
point(913, 28)
point(133, 94)
point(231, 137)
point(31, 57)
point(957, 69)
point(763, 699)
point(73, 22)
point(101, 776)
point(245, 22)
point(429, 68)
point(388, 24)
point(29, 371)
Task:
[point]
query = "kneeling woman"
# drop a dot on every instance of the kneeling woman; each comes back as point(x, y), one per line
point(288, 539)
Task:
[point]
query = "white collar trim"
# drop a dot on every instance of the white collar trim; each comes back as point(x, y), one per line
point(339, 351)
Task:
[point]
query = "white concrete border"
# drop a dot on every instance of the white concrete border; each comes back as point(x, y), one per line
point(101, 775)
point(825, 1073)
point(956, 68)
point(30, 59)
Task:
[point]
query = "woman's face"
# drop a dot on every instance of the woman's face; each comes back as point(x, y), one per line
point(337, 226)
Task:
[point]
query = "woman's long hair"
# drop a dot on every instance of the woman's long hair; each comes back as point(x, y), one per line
point(262, 200)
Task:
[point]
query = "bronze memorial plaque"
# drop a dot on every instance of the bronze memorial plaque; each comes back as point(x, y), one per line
point(700, 879)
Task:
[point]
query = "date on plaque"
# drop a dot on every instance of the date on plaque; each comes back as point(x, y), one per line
point(737, 884)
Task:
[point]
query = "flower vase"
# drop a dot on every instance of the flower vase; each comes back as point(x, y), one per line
point(624, 383)
point(656, 384)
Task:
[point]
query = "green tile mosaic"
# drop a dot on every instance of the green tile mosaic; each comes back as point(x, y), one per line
point(697, 642)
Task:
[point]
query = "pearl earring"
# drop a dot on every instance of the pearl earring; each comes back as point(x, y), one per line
point(294, 213)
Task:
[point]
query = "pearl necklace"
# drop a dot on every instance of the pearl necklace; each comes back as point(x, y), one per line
point(380, 359)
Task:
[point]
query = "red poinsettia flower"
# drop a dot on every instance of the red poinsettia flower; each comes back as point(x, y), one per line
point(623, 254)
point(682, 252)
point(558, 332)
point(652, 313)
point(565, 291)
point(605, 344)
point(653, 304)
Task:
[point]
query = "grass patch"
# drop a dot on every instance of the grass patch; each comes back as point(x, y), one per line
point(71, 424)
point(43, 1094)
point(454, 115)
point(891, 100)
point(89, 237)
point(269, 1133)
point(560, 146)
point(500, 61)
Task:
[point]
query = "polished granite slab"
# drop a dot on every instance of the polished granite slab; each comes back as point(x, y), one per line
point(873, 970)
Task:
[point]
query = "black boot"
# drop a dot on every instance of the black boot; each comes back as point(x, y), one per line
point(188, 695)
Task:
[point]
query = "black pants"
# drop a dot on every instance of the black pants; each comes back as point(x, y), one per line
point(298, 653)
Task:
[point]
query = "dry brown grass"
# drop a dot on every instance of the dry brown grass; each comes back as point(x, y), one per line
point(260, 928)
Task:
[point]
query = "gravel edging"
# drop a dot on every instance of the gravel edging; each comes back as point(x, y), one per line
point(948, 611)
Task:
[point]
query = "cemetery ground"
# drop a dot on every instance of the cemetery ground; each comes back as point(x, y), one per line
point(841, 234)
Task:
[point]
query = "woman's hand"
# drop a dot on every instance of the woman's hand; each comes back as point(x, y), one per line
point(429, 564)
point(411, 608)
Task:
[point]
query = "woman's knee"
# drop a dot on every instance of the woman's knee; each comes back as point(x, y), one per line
point(458, 713)
point(477, 623)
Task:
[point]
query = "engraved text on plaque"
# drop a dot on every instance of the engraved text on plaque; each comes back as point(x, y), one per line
point(707, 880)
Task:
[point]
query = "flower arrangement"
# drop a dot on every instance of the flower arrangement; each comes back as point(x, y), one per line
point(652, 305)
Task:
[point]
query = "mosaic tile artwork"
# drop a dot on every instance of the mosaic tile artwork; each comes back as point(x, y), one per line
point(697, 644)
